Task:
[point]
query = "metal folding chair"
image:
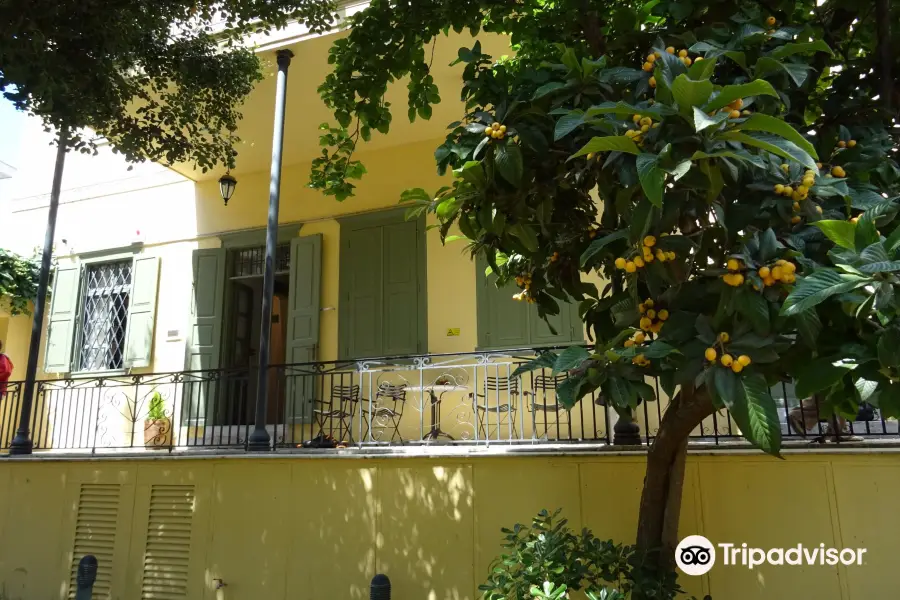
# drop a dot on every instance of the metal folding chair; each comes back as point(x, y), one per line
point(339, 408)
point(543, 390)
point(498, 402)
point(386, 411)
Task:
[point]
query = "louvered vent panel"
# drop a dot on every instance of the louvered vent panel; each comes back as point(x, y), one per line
point(95, 533)
point(168, 546)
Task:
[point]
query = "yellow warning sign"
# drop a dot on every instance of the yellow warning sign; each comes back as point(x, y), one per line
point(453, 331)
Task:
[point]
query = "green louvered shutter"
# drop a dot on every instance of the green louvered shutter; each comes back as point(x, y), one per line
point(401, 289)
point(303, 322)
point(362, 305)
point(540, 330)
point(205, 332)
point(141, 311)
point(502, 321)
point(63, 319)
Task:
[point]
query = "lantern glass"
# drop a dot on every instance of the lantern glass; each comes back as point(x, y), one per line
point(227, 183)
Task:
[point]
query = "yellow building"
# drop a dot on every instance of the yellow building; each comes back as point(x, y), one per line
point(383, 339)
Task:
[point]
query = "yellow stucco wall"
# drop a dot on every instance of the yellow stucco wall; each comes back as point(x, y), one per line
point(314, 528)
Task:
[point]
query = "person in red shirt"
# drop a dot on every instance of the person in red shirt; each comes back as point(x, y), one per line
point(6, 369)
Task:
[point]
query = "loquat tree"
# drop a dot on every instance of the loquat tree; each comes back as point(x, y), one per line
point(728, 169)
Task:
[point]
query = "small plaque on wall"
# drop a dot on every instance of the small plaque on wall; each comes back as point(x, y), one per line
point(453, 331)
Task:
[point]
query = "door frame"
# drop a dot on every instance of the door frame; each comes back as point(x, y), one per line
point(379, 219)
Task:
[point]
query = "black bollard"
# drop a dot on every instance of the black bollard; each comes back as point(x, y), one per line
point(85, 577)
point(381, 588)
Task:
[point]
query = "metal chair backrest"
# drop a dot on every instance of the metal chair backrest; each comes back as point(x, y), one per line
point(494, 383)
point(340, 393)
point(392, 391)
point(548, 382)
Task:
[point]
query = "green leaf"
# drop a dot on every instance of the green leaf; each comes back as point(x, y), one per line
point(842, 233)
point(641, 216)
point(889, 266)
point(570, 358)
point(800, 48)
point(508, 158)
point(619, 391)
point(762, 426)
point(653, 179)
point(623, 109)
point(702, 69)
point(567, 124)
point(738, 57)
point(728, 386)
point(817, 287)
point(703, 120)
point(797, 72)
point(548, 88)
point(525, 235)
point(612, 143)
point(820, 375)
point(753, 306)
point(866, 233)
point(761, 122)
point(567, 390)
point(774, 144)
point(889, 348)
point(600, 243)
point(730, 93)
point(809, 325)
point(689, 93)
point(544, 360)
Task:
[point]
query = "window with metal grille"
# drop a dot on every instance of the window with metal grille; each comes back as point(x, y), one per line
point(104, 316)
point(249, 262)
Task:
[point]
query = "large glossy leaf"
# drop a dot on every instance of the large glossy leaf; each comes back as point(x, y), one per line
point(543, 361)
point(800, 48)
point(653, 179)
point(774, 144)
point(763, 427)
point(612, 143)
point(730, 93)
point(841, 233)
point(508, 158)
point(689, 93)
point(567, 124)
point(703, 120)
point(600, 243)
point(570, 358)
point(761, 122)
point(888, 266)
point(755, 308)
point(525, 235)
point(820, 375)
point(818, 287)
point(623, 109)
point(809, 325)
point(889, 348)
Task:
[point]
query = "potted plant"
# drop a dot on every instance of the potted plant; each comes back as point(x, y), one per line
point(157, 426)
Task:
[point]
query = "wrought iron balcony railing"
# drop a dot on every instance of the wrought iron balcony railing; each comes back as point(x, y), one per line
point(461, 399)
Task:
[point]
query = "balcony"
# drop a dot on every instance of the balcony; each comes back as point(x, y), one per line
point(405, 405)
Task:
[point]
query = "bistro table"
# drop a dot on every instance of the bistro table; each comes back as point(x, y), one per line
point(436, 392)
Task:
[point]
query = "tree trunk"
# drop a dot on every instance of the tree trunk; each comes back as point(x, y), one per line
point(657, 534)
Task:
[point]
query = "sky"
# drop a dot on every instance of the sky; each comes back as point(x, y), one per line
point(11, 126)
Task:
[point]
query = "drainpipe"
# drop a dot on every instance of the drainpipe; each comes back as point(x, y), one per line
point(22, 443)
point(259, 440)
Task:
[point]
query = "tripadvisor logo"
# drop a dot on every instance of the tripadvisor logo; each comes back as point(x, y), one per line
point(696, 555)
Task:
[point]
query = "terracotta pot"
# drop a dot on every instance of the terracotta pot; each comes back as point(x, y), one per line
point(158, 434)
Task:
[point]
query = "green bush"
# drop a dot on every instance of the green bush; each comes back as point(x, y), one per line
point(548, 560)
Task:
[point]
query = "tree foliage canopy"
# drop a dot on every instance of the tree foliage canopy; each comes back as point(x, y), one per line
point(728, 168)
point(161, 80)
point(18, 282)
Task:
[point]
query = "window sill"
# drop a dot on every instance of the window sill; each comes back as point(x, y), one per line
point(98, 374)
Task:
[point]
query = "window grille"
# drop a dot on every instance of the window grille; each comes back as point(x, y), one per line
point(250, 262)
point(104, 316)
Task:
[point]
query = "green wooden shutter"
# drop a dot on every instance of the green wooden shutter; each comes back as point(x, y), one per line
point(401, 289)
point(141, 311)
point(205, 333)
point(502, 321)
point(303, 323)
point(63, 319)
point(361, 306)
point(540, 330)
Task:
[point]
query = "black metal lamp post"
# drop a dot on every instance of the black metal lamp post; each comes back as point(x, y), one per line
point(259, 439)
point(21, 443)
point(227, 183)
